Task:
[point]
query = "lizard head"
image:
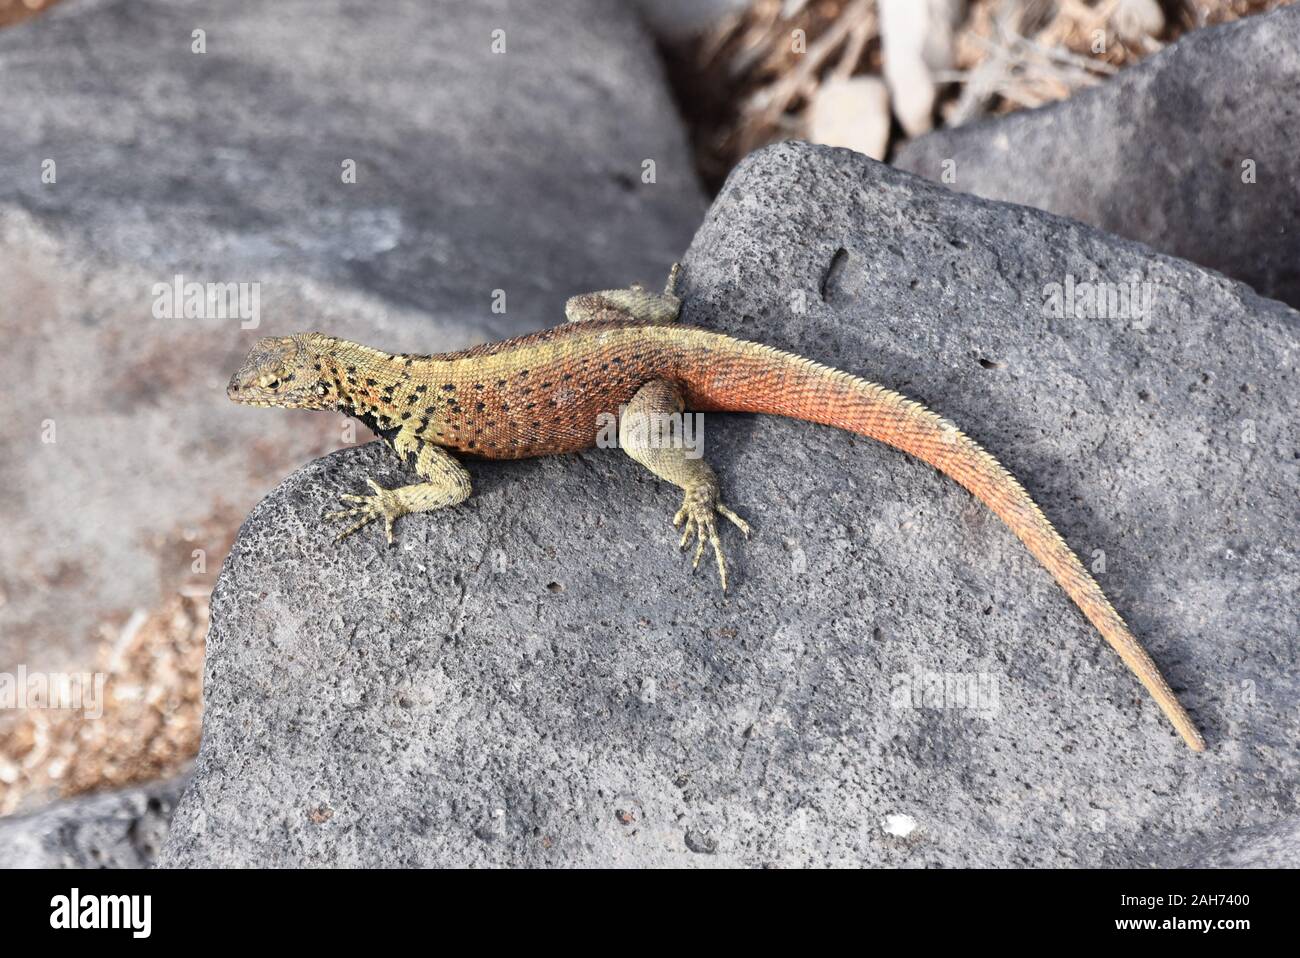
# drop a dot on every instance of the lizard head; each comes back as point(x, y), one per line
point(282, 371)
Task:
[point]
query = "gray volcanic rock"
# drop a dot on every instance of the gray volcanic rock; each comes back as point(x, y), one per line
point(1157, 152)
point(534, 678)
point(482, 179)
point(122, 829)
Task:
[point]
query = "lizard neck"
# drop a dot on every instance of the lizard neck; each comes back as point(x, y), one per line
point(371, 385)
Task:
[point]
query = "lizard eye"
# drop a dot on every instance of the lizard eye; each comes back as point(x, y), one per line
point(273, 384)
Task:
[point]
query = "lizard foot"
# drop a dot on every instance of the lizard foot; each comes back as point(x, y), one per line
point(698, 513)
point(384, 504)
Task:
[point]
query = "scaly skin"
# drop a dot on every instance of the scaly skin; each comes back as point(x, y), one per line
point(622, 353)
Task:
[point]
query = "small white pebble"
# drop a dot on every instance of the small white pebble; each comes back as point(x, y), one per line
point(852, 113)
point(900, 825)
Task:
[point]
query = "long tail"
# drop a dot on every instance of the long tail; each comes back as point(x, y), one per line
point(748, 377)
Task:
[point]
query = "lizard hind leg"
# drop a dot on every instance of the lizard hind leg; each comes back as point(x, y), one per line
point(645, 433)
point(636, 304)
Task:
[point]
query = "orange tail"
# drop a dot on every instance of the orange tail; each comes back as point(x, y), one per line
point(760, 379)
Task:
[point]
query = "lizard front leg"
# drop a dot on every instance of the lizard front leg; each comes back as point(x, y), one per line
point(446, 483)
point(642, 436)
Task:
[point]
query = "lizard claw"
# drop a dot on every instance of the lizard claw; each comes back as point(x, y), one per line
point(697, 516)
point(384, 504)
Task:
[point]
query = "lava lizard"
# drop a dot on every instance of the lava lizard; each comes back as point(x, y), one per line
point(623, 352)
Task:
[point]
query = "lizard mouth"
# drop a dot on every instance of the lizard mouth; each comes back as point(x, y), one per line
point(268, 404)
point(251, 396)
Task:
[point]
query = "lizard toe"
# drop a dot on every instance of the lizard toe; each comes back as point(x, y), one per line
point(698, 518)
point(382, 504)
